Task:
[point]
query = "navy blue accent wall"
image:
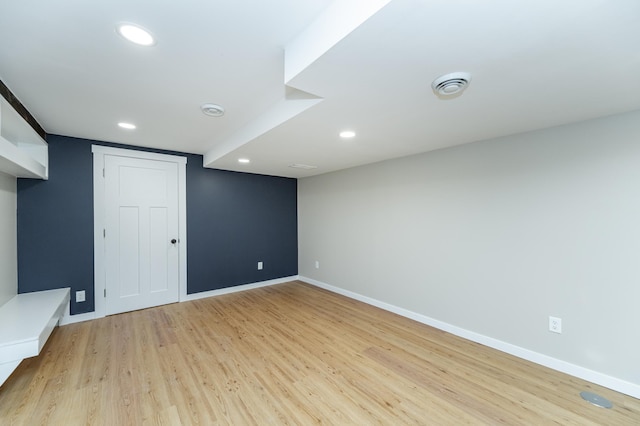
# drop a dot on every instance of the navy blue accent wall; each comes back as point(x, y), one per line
point(234, 220)
point(55, 224)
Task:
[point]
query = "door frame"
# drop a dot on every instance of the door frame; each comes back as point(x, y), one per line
point(99, 207)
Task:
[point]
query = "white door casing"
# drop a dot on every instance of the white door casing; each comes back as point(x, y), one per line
point(139, 208)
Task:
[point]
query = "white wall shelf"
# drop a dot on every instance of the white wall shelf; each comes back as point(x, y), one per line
point(26, 322)
point(23, 153)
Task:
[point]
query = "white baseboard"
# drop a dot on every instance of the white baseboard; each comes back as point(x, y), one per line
point(235, 289)
point(601, 379)
point(71, 319)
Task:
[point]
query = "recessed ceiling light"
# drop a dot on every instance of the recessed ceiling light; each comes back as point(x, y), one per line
point(136, 34)
point(212, 110)
point(244, 160)
point(127, 126)
point(347, 134)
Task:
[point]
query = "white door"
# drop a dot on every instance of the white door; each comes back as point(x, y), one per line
point(141, 233)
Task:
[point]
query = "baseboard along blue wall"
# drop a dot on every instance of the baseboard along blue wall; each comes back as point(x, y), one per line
point(234, 220)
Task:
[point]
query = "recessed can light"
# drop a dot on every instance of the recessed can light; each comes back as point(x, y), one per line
point(127, 126)
point(244, 160)
point(346, 134)
point(135, 34)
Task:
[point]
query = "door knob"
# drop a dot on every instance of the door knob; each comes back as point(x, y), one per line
point(173, 241)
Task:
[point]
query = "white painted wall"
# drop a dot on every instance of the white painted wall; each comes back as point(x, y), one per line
point(495, 236)
point(8, 238)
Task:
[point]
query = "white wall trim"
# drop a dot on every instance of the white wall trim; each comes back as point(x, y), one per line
point(613, 383)
point(72, 319)
point(238, 288)
point(107, 150)
point(99, 153)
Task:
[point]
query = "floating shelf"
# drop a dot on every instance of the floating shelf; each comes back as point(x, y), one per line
point(23, 153)
point(27, 320)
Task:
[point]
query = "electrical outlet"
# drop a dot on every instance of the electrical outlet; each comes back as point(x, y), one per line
point(80, 296)
point(259, 266)
point(555, 325)
point(317, 264)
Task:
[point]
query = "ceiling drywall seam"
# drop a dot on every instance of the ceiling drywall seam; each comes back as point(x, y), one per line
point(335, 23)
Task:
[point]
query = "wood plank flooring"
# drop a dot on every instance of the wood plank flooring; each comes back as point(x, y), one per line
point(287, 354)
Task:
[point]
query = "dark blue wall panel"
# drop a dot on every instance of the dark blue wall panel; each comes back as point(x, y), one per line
point(234, 220)
point(55, 224)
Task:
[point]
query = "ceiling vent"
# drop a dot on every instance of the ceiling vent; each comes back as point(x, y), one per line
point(212, 110)
point(303, 166)
point(450, 85)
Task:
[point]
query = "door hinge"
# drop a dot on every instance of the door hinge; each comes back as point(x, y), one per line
point(103, 172)
point(104, 233)
point(105, 292)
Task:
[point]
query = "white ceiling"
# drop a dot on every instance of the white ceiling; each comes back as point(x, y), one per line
point(291, 74)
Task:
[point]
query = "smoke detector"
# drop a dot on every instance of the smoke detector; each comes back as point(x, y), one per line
point(212, 110)
point(452, 84)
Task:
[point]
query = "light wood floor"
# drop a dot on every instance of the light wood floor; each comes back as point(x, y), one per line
point(286, 354)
